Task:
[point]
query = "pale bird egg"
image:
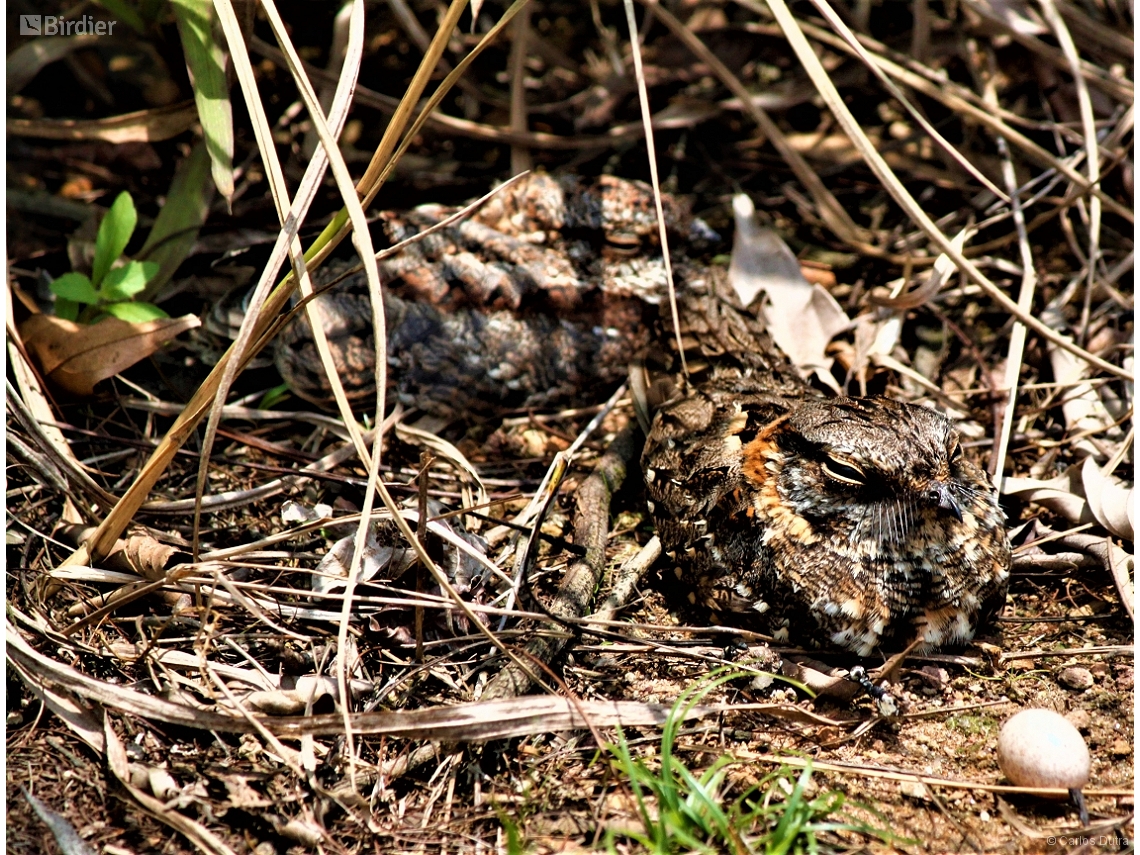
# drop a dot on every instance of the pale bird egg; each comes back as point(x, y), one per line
point(1040, 748)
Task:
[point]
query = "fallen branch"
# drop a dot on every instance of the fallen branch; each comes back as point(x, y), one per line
point(591, 528)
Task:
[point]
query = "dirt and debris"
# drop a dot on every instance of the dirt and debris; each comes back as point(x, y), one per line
point(132, 682)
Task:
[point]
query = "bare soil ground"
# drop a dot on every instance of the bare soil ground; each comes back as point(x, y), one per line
point(131, 719)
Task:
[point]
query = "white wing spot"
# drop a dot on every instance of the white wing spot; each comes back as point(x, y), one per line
point(851, 608)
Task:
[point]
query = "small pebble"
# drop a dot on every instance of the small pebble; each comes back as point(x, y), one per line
point(1040, 748)
point(1080, 719)
point(533, 443)
point(935, 678)
point(1121, 748)
point(1076, 678)
point(1125, 679)
point(914, 790)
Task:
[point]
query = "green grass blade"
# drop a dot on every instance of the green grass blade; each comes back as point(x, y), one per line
point(124, 12)
point(635, 773)
point(176, 228)
point(205, 61)
point(793, 820)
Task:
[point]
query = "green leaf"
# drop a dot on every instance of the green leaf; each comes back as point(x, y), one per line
point(176, 227)
point(66, 310)
point(274, 396)
point(205, 61)
point(149, 10)
point(114, 233)
point(124, 12)
point(124, 282)
point(74, 287)
point(135, 313)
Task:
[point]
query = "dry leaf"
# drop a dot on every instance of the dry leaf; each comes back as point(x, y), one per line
point(151, 559)
point(1110, 500)
point(1062, 494)
point(308, 834)
point(1120, 564)
point(239, 794)
point(1083, 494)
point(198, 835)
point(294, 513)
point(821, 679)
point(1082, 407)
point(76, 357)
point(20, 306)
point(294, 701)
point(802, 318)
point(159, 781)
point(388, 561)
point(139, 554)
point(386, 555)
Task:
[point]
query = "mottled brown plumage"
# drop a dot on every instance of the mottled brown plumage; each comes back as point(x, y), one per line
point(547, 290)
point(830, 522)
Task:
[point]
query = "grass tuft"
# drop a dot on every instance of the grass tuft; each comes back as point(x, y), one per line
point(681, 810)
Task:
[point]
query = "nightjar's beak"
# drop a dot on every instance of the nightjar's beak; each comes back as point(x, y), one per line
point(944, 495)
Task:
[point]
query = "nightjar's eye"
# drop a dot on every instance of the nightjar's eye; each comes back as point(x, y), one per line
point(844, 471)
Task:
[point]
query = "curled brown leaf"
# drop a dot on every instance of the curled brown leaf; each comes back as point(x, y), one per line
point(76, 357)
